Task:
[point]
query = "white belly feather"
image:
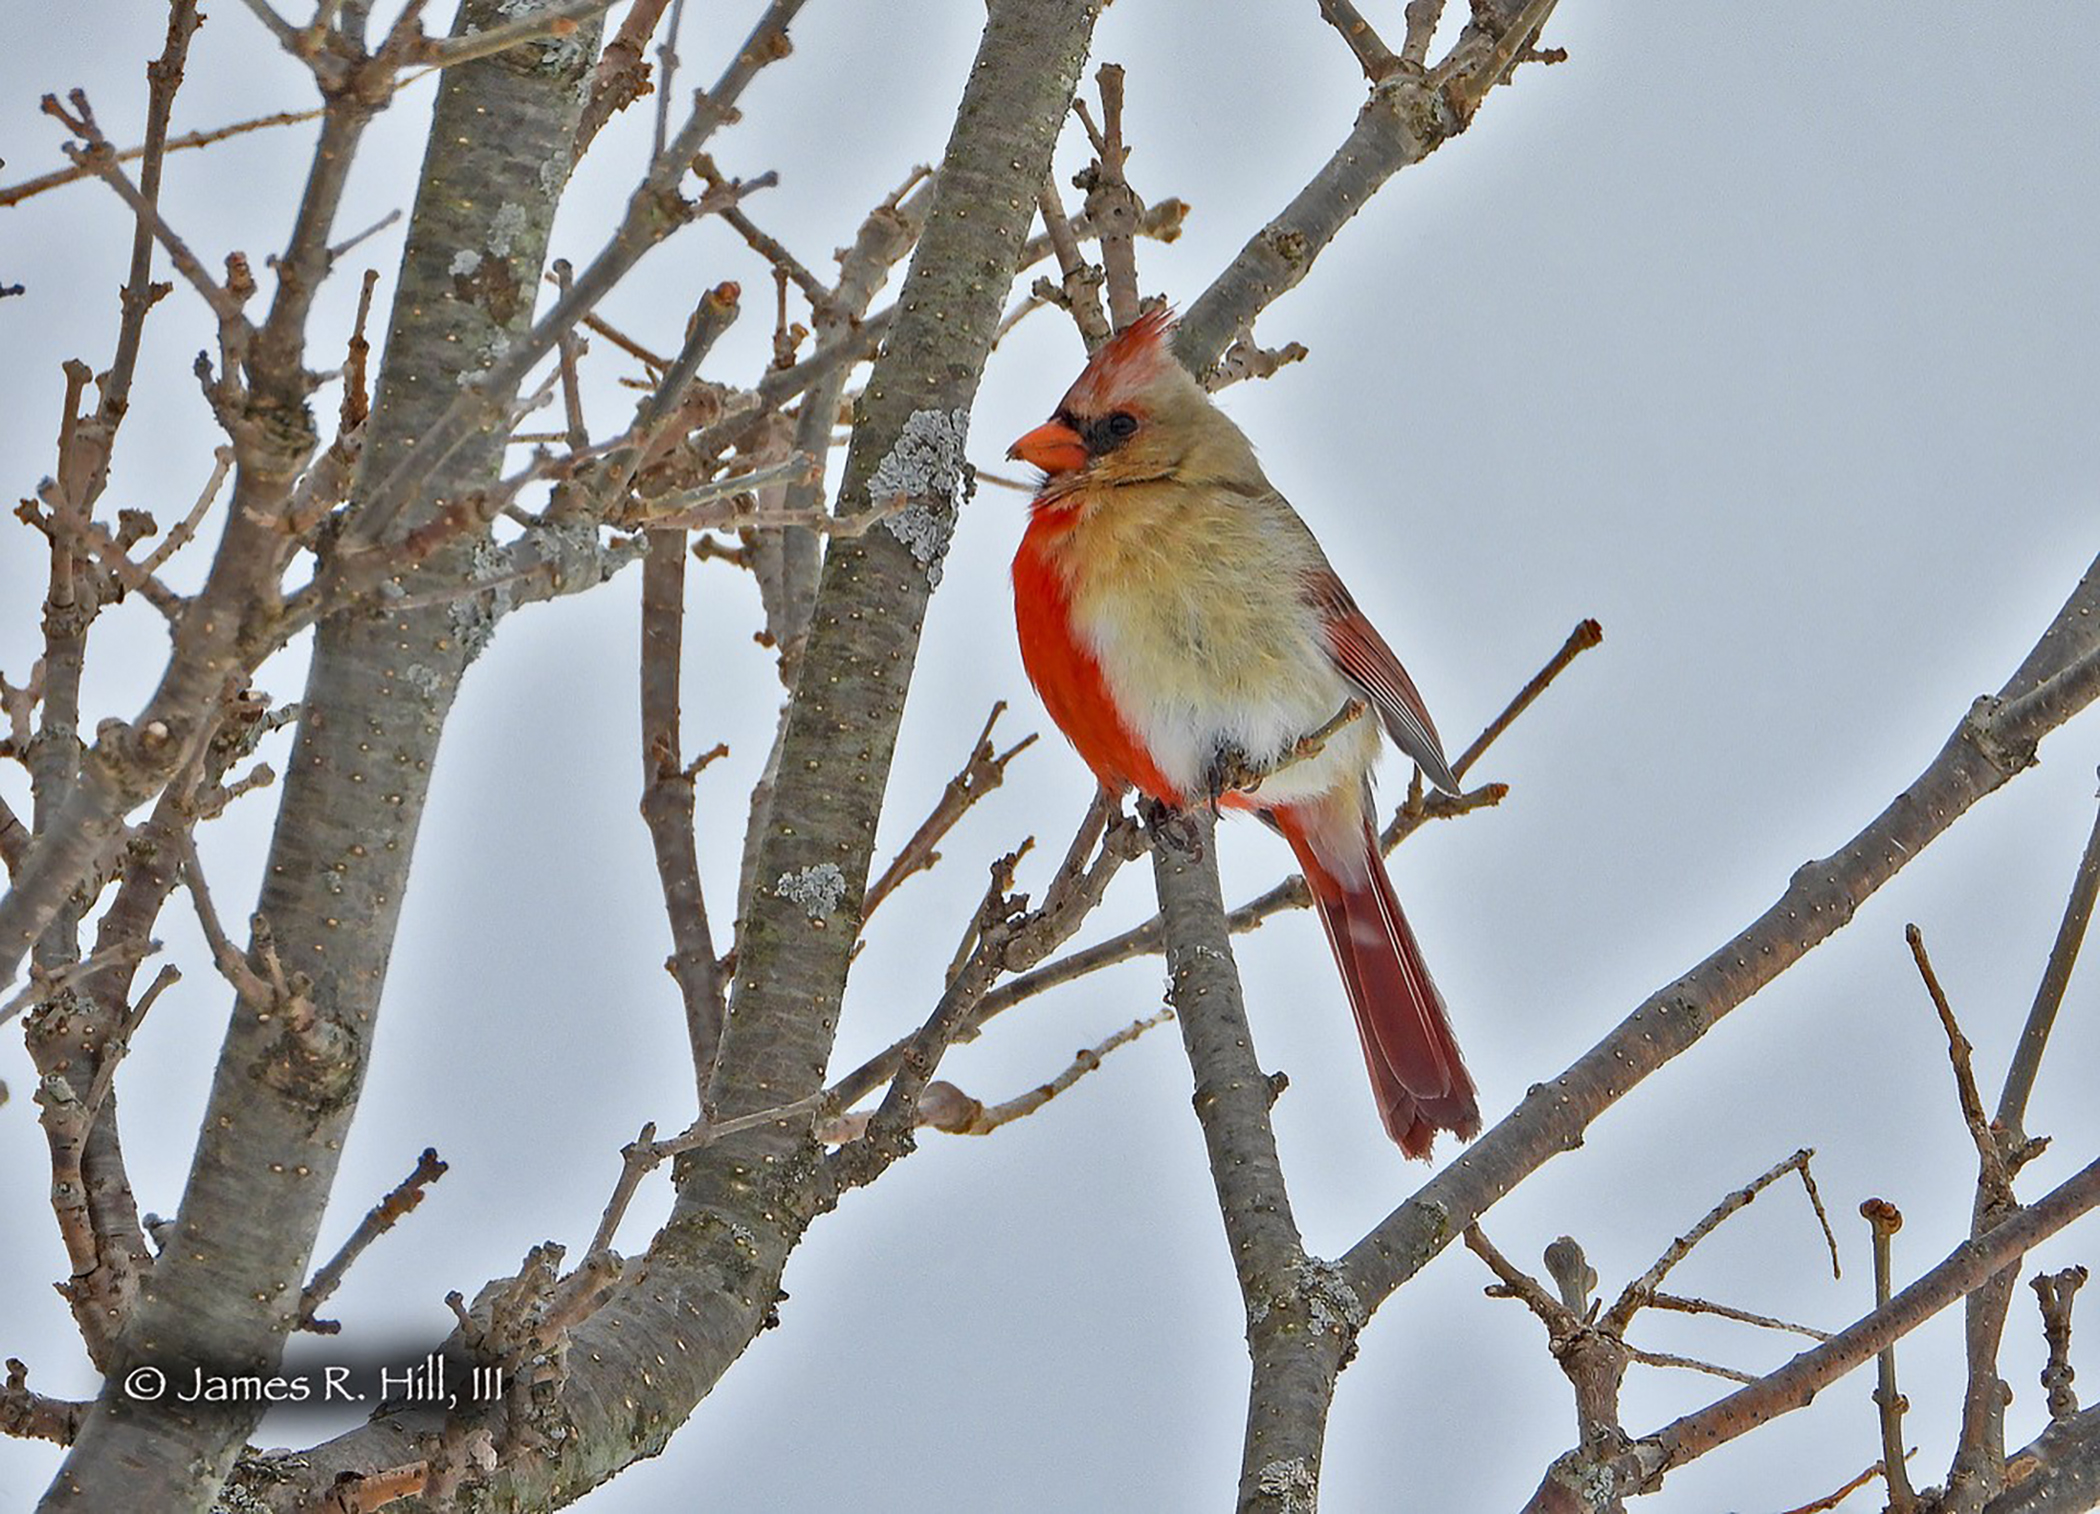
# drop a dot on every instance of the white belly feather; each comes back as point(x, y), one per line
point(1204, 661)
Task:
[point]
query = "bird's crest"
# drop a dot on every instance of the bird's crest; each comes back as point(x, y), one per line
point(1124, 364)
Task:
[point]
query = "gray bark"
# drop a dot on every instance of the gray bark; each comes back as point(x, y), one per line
point(227, 1289)
point(2064, 1471)
point(690, 1307)
point(1991, 746)
point(1302, 1319)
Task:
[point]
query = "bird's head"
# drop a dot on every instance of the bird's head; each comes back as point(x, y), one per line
point(1133, 414)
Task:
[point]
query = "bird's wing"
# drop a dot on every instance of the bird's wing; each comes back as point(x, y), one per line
point(1366, 661)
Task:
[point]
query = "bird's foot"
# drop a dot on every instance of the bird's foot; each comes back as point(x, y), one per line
point(1178, 830)
point(1232, 771)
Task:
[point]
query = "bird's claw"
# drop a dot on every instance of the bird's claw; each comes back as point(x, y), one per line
point(1231, 771)
point(1176, 828)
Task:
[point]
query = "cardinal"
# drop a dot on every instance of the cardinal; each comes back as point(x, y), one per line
point(1190, 638)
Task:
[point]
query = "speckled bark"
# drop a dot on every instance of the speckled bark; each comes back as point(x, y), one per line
point(229, 626)
point(2065, 1475)
point(864, 635)
point(713, 1273)
point(1301, 1318)
point(1408, 116)
point(1402, 123)
point(711, 1277)
point(1991, 746)
point(227, 1289)
point(1643, 1466)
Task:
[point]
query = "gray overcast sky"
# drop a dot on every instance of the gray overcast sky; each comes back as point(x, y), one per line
point(1765, 334)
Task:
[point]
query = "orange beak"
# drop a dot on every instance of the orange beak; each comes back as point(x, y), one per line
point(1053, 447)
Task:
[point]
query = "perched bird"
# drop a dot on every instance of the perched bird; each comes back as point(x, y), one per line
point(1187, 634)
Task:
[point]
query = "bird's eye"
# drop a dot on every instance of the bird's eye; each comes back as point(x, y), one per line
point(1122, 425)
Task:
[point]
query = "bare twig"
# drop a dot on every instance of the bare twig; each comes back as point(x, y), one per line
point(1980, 1466)
point(1680, 1304)
point(1371, 52)
point(381, 1218)
point(667, 69)
point(1111, 204)
point(725, 501)
point(115, 1050)
point(14, 194)
point(1586, 635)
point(140, 293)
point(814, 289)
point(636, 1161)
point(1514, 1282)
point(286, 34)
point(984, 771)
point(556, 18)
point(644, 1154)
point(1993, 1177)
point(184, 529)
point(733, 515)
point(1966, 1268)
point(984, 1121)
point(944, 1107)
point(1466, 79)
point(1649, 1358)
point(1245, 359)
point(1421, 17)
point(349, 244)
point(1885, 1220)
point(622, 74)
point(97, 157)
point(667, 800)
point(1642, 1290)
point(624, 342)
point(2054, 1291)
point(227, 957)
point(127, 576)
point(2048, 998)
point(43, 983)
point(1079, 291)
point(28, 1415)
point(1830, 1501)
point(570, 350)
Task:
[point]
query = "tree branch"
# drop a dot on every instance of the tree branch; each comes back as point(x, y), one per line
point(378, 1220)
point(1984, 752)
point(1408, 117)
point(1147, 938)
point(1302, 1317)
point(641, 1362)
point(1966, 1268)
point(1377, 59)
point(290, 1070)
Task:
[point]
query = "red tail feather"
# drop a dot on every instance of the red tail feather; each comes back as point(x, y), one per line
point(1420, 1082)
